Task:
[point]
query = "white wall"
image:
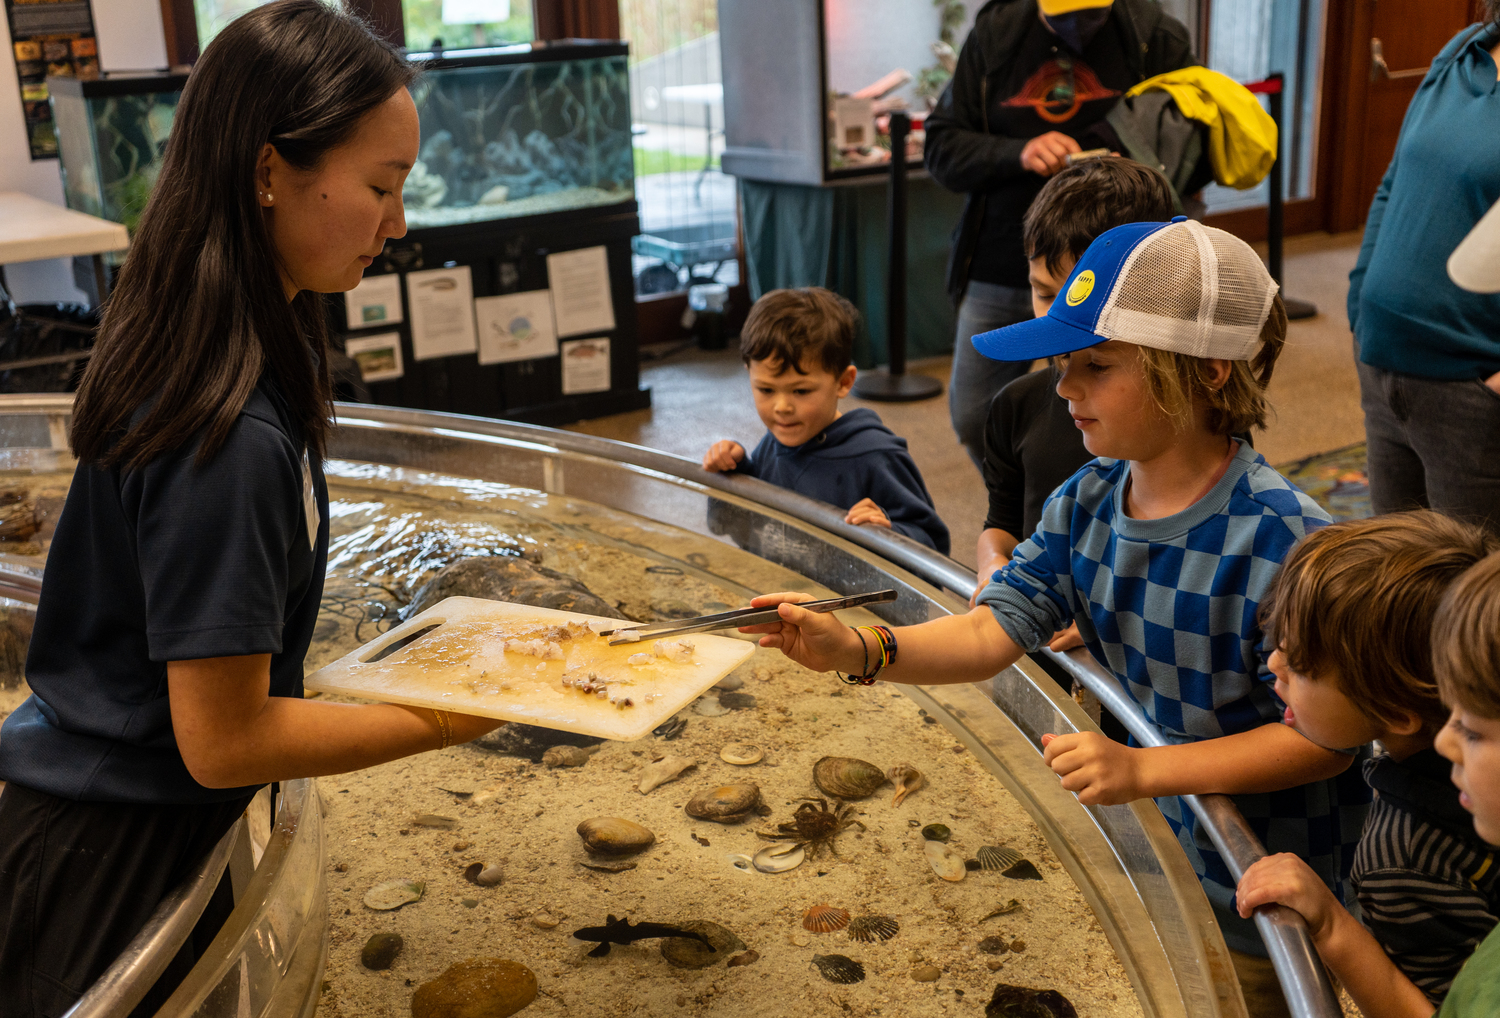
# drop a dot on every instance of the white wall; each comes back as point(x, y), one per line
point(130, 38)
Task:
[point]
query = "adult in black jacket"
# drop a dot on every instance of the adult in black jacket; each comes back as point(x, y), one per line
point(1033, 80)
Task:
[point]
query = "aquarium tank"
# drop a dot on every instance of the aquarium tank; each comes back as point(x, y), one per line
point(112, 137)
point(520, 131)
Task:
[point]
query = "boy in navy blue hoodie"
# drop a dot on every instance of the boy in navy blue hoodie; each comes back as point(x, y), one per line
point(798, 345)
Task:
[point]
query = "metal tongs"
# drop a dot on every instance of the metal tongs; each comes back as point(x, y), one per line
point(738, 617)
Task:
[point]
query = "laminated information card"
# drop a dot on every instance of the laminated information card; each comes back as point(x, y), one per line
point(442, 312)
point(585, 366)
point(515, 327)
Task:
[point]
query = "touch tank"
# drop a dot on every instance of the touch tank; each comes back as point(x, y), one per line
point(440, 865)
point(519, 131)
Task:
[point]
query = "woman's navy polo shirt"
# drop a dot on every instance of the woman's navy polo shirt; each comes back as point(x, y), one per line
point(170, 562)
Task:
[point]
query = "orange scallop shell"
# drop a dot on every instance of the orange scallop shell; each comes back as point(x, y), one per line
point(825, 919)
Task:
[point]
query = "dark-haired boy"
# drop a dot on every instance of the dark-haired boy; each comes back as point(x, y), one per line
point(799, 347)
point(1351, 616)
point(1031, 444)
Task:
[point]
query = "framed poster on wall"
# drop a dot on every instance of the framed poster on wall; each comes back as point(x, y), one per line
point(53, 37)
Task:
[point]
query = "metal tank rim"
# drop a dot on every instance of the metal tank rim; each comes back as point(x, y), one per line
point(1124, 859)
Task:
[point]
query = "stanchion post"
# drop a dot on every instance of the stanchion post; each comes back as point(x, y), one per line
point(893, 384)
point(1274, 87)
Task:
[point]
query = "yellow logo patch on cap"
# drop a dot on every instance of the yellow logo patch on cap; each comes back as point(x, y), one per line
point(1081, 288)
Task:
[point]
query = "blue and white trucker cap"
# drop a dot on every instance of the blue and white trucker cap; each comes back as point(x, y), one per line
point(1178, 286)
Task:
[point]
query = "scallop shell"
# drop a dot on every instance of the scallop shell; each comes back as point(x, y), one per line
point(666, 769)
point(945, 860)
point(907, 780)
point(779, 858)
point(836, 968)
point(614, 836)
point(844, 777)
point(869, 928)
point(825, 919)
point(392, 894)
point(742, 754)
point(727, 804)
point(992, 858)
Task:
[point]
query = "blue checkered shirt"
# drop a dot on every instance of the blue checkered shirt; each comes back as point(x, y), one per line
point(1169, 606)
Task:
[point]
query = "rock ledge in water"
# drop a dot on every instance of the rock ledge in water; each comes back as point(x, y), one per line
point(477, 988)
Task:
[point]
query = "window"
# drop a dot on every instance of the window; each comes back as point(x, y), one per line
point(464, 24)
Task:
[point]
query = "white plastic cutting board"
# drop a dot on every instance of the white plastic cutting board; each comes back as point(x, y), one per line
point(462, 666)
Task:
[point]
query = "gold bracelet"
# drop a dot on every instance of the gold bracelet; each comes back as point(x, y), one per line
point(445, 727)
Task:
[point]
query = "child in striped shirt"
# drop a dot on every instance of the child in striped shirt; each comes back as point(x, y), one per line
point(1160, 551)
point(1351, 615)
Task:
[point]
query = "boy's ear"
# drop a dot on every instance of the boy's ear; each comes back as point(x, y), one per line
point(1404, 723)
point(1218, 372)
point(846, 380)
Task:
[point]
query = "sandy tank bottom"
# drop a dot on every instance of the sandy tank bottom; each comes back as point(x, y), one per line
point(395, 529)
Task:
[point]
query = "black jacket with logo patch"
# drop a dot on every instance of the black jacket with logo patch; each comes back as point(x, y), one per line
point(964, 155)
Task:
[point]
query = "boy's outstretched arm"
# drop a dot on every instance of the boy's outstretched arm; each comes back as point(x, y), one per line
point(954, 648)
point(1354, 956)
point(1265, 759)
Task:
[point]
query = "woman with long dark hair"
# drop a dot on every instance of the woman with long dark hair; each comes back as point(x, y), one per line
point(183, 584)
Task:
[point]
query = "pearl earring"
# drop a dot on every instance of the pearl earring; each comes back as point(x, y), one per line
point(268, 196)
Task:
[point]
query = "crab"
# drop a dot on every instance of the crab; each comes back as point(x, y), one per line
point(814, 826)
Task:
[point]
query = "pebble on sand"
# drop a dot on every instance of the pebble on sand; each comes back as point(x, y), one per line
point(477, 988)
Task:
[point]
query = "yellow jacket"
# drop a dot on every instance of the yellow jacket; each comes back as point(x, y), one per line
point(1241, 134)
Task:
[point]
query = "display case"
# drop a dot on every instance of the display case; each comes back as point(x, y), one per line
point(520, 131)
point(808, 84)
point(112, 136)
point(525, 158)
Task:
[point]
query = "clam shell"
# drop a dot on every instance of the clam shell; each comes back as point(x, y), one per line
point(836, 968)
point(992, 858)
point(689, 954)
point(869, 928)
point(845, 777)
point(936, 832)
point(709, 707)
point(666, 769)
point(945, 860)
point(779, 858)
point(484, 876)
point(741, 754)
point(994, 945)
point(727, 804)
point(825, 919)
point(743, 863)
point(392, 894)
point(907, 780)
point(614, 836)
point(1023, 870)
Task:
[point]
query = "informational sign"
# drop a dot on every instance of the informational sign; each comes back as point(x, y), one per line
point(53, 37)
point(580, 291)
point(585, 366)
point(378, 357)
point(375, 301)
point(442, 312)
point(515, 327)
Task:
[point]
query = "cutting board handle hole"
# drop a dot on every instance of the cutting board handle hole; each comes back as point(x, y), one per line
point(395, 645)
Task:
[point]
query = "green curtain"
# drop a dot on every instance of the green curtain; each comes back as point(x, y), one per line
point(801, 235)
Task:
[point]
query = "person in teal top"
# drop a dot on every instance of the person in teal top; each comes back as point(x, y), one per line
point(1429, 352)
point(1466, 665)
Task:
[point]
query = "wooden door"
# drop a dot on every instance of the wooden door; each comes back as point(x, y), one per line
point(1388, 46)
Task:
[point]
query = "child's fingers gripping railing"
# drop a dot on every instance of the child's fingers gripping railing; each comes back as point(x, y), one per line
point(1309, 993)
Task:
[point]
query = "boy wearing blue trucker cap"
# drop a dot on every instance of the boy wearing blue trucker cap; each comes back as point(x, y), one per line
point(1160, 550)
